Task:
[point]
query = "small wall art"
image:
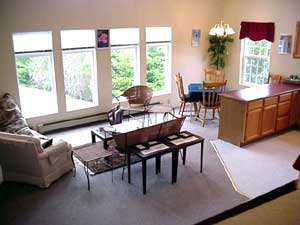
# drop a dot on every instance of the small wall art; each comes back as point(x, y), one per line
point(285, 44)
point(102, 38)
point(196, 33)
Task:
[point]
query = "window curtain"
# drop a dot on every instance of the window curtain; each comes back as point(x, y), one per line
point(257, 31)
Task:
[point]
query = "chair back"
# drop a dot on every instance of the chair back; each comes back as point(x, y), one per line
point(274, 78)
point(212, 75)
point(210, 95)
point(138, 95)
point(115, 115)
point(179, 83)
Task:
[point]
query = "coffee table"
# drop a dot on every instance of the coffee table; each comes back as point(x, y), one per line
point(90, 154)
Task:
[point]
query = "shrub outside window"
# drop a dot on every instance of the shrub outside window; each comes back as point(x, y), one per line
point(255, 62)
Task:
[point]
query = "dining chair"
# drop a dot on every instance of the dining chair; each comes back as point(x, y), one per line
point(211, 98)
point(274, 78)
point(212, 75)
point(184, 98)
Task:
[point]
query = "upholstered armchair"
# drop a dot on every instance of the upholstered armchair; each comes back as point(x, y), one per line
point(23, 159)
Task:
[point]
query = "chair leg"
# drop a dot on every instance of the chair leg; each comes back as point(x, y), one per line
point(214, 114)
point(183, 108)
point(195, 108)
point(204, 117)
point(180, 107)
point(198, 112)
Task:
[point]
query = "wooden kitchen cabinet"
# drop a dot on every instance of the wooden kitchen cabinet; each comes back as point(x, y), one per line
point(253, 124)
point(252, 113)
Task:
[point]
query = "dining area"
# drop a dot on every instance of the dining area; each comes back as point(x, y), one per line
point(203, 95)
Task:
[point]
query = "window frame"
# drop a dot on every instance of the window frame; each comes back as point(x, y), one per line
point(167, 65)
point(136, 76)
point(243, 60)
point(38, 53)
point(94, 74)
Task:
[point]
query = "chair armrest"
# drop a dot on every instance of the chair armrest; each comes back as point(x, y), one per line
point(52, 153)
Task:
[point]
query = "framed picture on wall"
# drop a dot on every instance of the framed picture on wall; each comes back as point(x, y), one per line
point(102, 38)
point(196, 37)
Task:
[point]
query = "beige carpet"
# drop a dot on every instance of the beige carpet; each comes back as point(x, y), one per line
point(260, 167)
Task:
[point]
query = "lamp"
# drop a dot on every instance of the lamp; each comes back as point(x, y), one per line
point(221, 30)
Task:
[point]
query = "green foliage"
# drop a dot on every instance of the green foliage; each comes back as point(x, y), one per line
point(155, 68)
point(122, 70)
point(218, 50)
point(34, 72)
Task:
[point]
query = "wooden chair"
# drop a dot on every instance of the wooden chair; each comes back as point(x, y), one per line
point(212, 75)
point(183, 98)
point(274, 78)
point(211, 98)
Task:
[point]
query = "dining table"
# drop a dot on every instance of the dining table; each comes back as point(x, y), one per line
point(195, 91)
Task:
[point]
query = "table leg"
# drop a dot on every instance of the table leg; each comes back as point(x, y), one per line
point(74, 167)
point(201, 163)
point(86, 170)
point(144, 165)
point(105, 144)
point(112, 168)
point(174, 165)
point(157, 164)
point(184, 156)
point(93, 138)
point(128, 166)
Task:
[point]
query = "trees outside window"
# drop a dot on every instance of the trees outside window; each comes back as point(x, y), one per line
point(158, 58)
point(79, 68)
point(255, 62)
point(124, 59)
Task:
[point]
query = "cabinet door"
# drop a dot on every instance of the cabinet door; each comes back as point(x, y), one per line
point(269, 120)
point(253, 124)
point(282, 123)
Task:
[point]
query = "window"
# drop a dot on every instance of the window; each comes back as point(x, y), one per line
point(158, 58)
point(255, 62)
point(79, 68)
point(124, 59)
point(35, 73)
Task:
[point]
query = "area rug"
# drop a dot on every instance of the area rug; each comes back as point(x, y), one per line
point(262, 166)
point(101, 165)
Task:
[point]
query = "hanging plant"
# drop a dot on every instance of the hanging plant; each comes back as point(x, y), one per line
point(218, 50)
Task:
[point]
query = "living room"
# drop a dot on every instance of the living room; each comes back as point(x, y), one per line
point(181, 18)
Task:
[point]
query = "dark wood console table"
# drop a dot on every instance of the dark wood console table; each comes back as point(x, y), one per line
point(253, 113)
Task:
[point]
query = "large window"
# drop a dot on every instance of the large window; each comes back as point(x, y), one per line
point(35, 73)
point(79, 68)
point(124, 59)
point(255, 62)
point(158, 58)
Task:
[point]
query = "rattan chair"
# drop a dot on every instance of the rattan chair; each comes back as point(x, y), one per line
point(212, 75)
point(211, 98)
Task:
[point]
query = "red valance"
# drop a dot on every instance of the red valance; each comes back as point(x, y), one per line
point(257, 31)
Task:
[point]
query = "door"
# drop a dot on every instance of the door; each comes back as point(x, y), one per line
point(253, 124)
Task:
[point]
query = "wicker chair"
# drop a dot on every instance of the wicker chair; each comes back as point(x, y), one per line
point(138, 98)
point(211, 98)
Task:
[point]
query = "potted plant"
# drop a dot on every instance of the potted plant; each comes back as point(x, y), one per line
point(218, 50)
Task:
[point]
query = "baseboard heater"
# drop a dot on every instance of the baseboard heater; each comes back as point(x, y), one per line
point(75, 122)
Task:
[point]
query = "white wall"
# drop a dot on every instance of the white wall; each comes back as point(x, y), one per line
point(285, 14)
point(56, 15)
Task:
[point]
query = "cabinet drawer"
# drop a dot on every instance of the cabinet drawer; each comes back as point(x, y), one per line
point(271, 101)
point(285, 97)
point(284, 109)
point(255, 105)
point(282, 123)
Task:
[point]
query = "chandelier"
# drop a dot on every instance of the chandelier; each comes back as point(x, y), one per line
point(221, 30)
